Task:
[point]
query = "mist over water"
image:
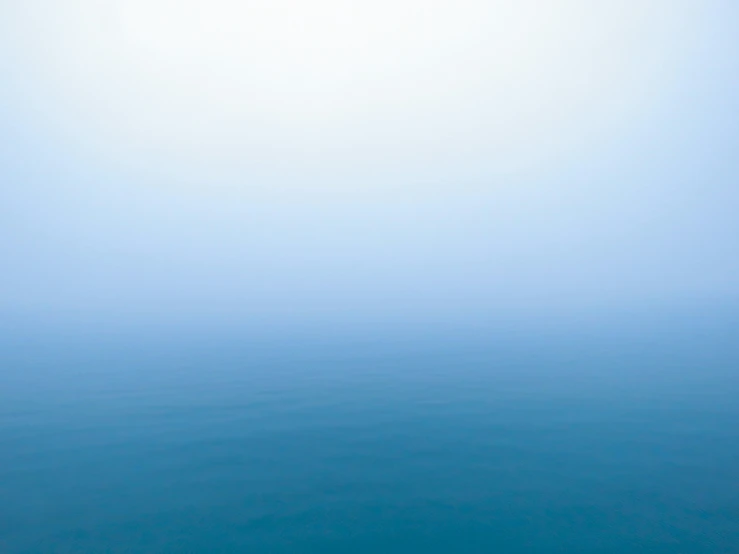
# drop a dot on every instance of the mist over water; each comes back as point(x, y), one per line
point(321, 277)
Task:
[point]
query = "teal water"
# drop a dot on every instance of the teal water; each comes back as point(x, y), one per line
point(568, 443)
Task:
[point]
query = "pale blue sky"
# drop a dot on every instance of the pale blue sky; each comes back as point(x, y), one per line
point(603, 190)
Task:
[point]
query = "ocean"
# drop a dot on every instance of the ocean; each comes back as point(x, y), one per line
point(583, 440)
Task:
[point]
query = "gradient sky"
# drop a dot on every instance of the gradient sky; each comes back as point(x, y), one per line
point(285, 162)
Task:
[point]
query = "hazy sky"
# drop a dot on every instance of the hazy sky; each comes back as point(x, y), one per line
point(277, 161)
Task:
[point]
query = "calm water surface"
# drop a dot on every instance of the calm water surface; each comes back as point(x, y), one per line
point(562, 444)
